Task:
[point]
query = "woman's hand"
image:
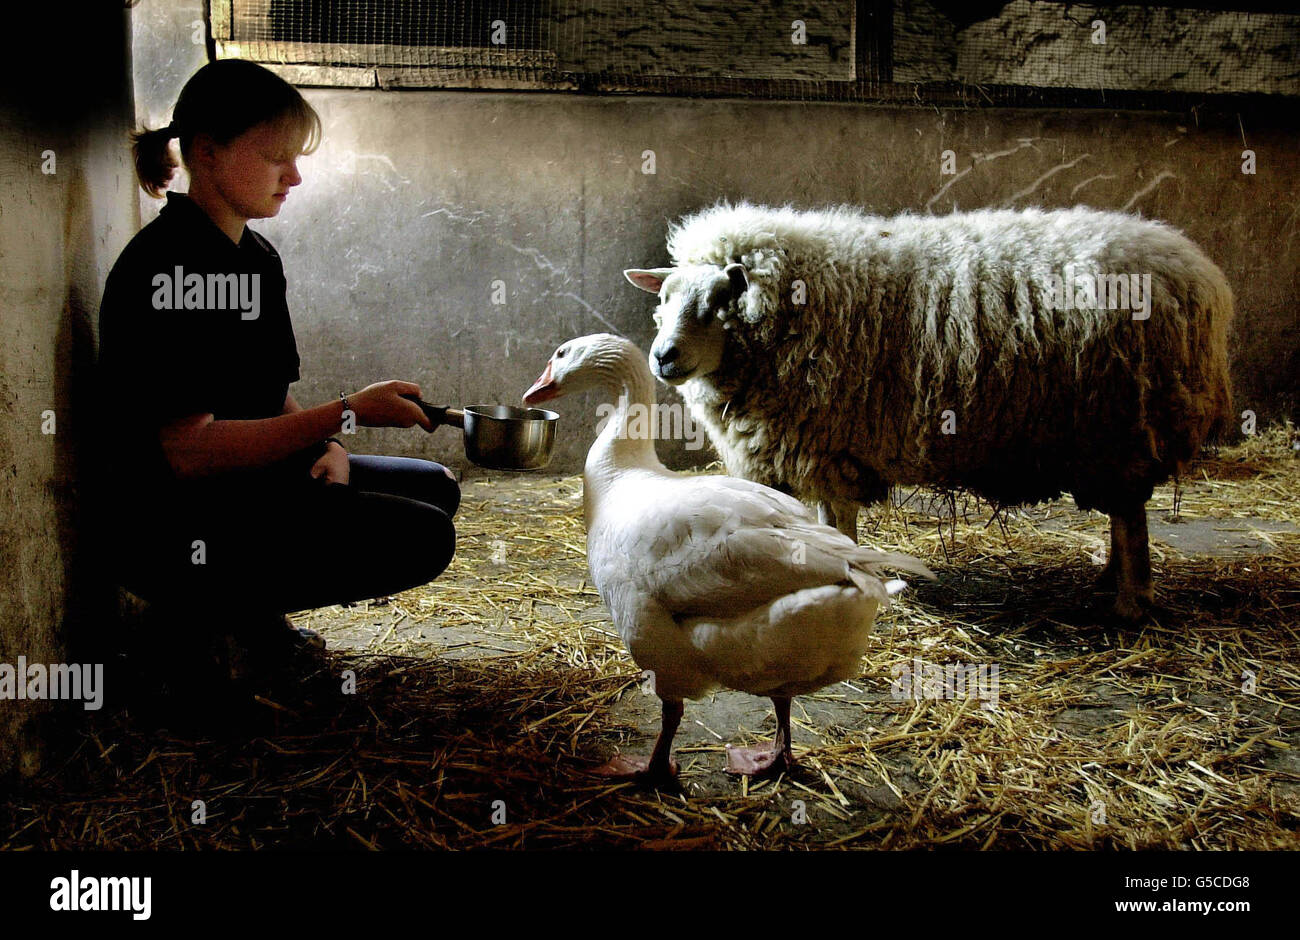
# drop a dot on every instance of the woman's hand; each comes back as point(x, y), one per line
point(332, 467)
point(382, 406)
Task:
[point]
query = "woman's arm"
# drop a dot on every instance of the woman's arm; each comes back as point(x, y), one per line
point(198, 446)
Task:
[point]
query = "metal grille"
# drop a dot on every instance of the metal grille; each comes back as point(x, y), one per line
point(940, 51)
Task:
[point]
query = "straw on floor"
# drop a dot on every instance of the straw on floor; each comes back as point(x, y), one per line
point(465, 713)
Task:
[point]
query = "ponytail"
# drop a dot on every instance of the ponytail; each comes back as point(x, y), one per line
point(154, 163)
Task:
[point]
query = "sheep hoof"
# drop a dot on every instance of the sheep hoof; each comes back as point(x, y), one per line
point(1127, 610)
point(1131, 608)
point(1106, 581)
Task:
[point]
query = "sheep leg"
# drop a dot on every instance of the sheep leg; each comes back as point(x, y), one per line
point(1132, 557)
point(841, 514)
point(657, 770)
point(774, 758)
point(1106, 581)
point(825, 514)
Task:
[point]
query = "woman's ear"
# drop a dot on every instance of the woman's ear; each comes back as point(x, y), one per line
point(203, 151)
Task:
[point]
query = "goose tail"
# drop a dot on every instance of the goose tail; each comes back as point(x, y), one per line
point(866, 567)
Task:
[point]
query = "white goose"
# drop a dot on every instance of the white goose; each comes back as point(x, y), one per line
point(711, 581)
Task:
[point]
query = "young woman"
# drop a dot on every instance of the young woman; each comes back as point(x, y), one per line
point(232, 501)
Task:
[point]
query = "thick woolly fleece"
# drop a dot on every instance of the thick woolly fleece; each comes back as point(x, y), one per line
point(966, 350)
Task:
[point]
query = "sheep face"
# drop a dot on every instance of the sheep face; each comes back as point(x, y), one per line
point(695, 302)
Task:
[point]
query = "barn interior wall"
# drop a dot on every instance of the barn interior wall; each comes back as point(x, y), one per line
point(66, 210)
point(420, 204)
point(423, 209)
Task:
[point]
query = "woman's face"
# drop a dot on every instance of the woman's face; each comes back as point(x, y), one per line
point(254, 172)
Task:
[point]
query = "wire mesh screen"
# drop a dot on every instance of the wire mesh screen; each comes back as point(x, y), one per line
point(1023, 52)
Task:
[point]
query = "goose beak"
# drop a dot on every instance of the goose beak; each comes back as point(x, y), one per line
point(544, 389)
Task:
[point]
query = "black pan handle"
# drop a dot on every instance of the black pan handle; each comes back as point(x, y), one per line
point(439, 414)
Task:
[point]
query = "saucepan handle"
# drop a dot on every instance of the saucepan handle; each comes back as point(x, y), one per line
point(440, 414)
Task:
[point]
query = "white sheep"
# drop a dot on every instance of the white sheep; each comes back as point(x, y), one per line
point(1016, 354)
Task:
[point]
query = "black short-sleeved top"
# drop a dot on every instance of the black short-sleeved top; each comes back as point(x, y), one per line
point(179, 336)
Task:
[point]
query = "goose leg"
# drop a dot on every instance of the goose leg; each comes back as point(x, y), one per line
point(771, 759)
point(659, 768)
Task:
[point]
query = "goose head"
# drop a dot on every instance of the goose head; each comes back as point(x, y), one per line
point(580, 364)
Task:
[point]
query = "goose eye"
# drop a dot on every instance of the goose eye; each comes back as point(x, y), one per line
point(560, 353)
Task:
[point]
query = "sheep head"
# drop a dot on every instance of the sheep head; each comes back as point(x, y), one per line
point(695, 303)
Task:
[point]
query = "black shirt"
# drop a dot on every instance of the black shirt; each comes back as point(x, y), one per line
point(190, 323)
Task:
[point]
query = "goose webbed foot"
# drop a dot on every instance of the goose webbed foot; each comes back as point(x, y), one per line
point(770, 759)
point(657, 770)
point(765, 761)
point(642, 771)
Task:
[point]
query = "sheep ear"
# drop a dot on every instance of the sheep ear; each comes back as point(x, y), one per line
point(738, 277)
point(648, 279)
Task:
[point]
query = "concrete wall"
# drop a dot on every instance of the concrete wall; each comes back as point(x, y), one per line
point(1105, 46)
point(418, 201)
point(59, 234)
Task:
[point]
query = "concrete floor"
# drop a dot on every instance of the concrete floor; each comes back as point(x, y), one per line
point(734, 717)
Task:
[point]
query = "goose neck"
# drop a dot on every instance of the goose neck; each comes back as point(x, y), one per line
point(627, 437)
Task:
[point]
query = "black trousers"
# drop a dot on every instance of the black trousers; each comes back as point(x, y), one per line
point(249, 545)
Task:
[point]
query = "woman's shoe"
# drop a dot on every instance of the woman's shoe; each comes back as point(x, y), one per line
point(304, 638)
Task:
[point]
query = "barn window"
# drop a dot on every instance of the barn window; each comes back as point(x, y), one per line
point(598, 45)
point(922, 51)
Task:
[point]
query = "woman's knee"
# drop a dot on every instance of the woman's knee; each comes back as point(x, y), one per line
point(438, 535)
point(424, 480)
point(421, 537)
point(437, 486)
point(448, 493)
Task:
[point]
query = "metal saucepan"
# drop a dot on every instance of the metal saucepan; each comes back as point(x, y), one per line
point(500, 437)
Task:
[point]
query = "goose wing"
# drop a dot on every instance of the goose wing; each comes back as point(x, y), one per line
point(706, 546)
